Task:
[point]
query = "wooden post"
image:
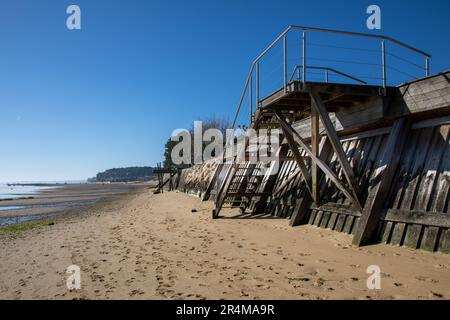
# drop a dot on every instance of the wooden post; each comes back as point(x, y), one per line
point(319, 107)
point(315, 140)
point(207, 193)
point(305, 202)
point(301, 209)
point(383, 174)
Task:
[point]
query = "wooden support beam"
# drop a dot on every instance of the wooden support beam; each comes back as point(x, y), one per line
point(304, 202)
point(383, 175)
point(301, 209)
point(319, 107)
point(321, 164)
point(297, 155)
point(221, 195)
point(315, 140)
point(207, 193)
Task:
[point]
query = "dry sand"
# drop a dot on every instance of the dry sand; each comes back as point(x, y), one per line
point(145, 246)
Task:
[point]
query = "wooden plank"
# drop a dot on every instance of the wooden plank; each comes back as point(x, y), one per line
point(441, 196)
point(387, 232)
point(429, 180)
point(402, 175)
point(418, 217)
point(444, 243)
point(366, 134)
point(330, 174)
point(340, 222)
point(398, 233)
point(332, 222)
point(337, 146)
point(211, 183)
point(431, 123)
point(383, 174)
point(312, 216)
point(325, 219)
point(300, 212)
point(413, 234)
point(315, 139)
point(378, 145)
point(415, 173)
point(318, 218)
point(348, 224)
point(430, 237)
point(355, 225)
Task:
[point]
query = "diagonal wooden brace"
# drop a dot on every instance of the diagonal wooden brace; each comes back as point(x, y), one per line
point(321, 164)
point(298, 157)
point(319, 107)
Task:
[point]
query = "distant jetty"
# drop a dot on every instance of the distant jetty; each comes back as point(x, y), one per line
point(35, 184)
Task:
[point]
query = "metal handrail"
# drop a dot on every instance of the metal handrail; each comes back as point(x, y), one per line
point(304, 66)
point(297, 67)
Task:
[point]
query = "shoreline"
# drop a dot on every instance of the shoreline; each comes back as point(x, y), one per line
point(59, 201)
point(144, 246)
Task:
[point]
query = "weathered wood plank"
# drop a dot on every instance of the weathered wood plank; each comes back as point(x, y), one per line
point(441, 197)
point(325, 219)
point(301, 209)
point(402, 177)
point(416, 172)
point(348, 224)
point(333, 220)
point(398, 234)
point(418, 217)
point(318, 218)
point(315, 140)
point(383, 175)
point(413, 234)
point(444, 243)
point(430, 238)
point(340, 222)
point(387, 232)
point(429, 180)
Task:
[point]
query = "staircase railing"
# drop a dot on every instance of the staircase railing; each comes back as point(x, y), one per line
point(255, 68)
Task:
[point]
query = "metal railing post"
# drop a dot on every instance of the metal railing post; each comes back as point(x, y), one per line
point(257, 85)
point(285, 63)
point(383, 54)
point(326, 76)
point(427, 66)
point(304, 57)
point(251, 99)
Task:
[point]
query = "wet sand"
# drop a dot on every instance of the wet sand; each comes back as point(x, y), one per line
point(60, 199)
point(146, 246)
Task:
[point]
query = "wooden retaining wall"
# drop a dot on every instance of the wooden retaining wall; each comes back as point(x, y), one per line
point(415, 212)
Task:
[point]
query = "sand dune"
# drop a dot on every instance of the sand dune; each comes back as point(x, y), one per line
point(145, 246)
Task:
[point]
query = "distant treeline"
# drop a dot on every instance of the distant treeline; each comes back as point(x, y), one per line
point(124, 175)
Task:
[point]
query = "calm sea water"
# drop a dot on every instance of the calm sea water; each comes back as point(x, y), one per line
point(7, 192)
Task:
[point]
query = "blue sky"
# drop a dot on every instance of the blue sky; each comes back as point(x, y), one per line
point(77, 102)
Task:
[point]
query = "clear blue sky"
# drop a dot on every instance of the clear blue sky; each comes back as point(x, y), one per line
point(77, 102)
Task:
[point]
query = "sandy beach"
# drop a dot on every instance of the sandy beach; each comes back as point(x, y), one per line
point(166, 246)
